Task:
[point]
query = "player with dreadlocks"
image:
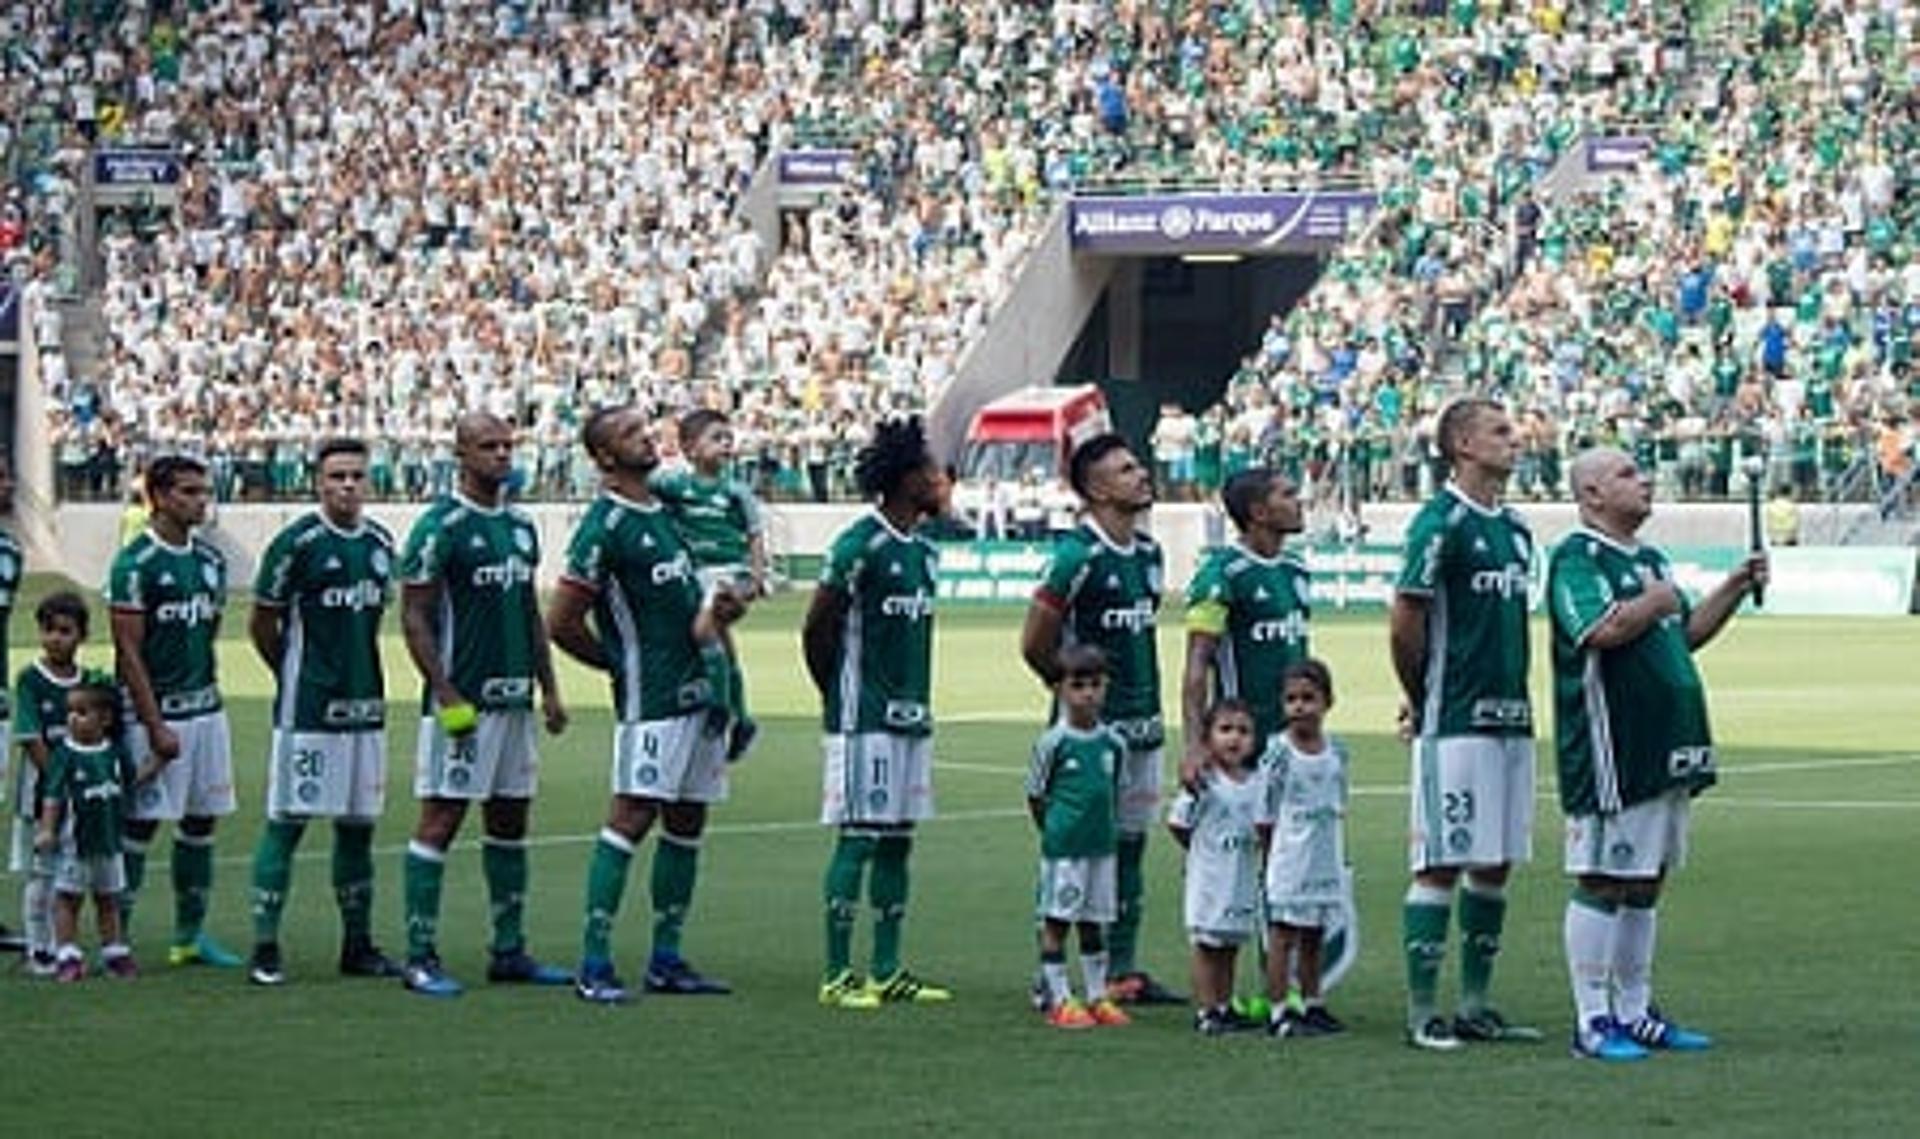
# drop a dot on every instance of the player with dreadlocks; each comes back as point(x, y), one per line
point(869, 648)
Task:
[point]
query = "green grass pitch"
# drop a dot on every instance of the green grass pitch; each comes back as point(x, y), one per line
point(1791, 936)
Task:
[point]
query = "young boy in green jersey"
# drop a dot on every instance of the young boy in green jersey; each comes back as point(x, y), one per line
point(1072, 794)
point(39, 723)
point(88, 779)
point(720, 521)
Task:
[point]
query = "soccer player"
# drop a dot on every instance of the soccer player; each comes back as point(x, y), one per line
point(1102, 587)
point(39, 723)
point(81, 822)
point(12, 565)
point(322, 587)
point(472, 625)
point(868, 640)
point(1247, 612)
point(720, 521)
point(1633, 744)
point(660, 646)
point(167, 590)
point(1459, 641)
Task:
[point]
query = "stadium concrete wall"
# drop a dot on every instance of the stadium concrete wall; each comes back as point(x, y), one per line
point(84, 536)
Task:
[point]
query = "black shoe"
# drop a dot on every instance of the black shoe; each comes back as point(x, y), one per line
point(11, 942)
point(364, 959)
point(1489, 1027)
point(1138, 988)
point(1288, 1024)
point(1213, 1022)
point(1323, 1022)
point(263, 968)
point(674, 977)
point(518, 967)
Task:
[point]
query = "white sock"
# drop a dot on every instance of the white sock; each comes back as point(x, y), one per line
point(115, 951)
point(1055, 974)
point(1590, 937)
point(1093, 969)
point(36, 911)
point(1633, 961)
point(70, 952)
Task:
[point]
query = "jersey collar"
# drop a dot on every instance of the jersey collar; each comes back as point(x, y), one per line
point(358, 529)
point(1466, 500)
point(186, 548)
point(881, 517)
point(623, 501)
point(1605, 539)
point(1284, 557)
point(40, 666)
point(1107, 541)
point(470, 504)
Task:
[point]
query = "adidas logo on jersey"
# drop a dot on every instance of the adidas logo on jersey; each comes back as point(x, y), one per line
point(1260, 593)
point(333, 563)
point(476, 543)
point(1113, 581)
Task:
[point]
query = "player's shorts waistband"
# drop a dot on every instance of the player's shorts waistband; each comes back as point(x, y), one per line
point(190, 704)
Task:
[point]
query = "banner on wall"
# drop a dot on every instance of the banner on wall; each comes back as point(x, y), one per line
point(1173, 224)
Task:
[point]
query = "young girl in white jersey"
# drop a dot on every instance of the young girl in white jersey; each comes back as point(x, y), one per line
point(1306, 776)
point(1223, 827)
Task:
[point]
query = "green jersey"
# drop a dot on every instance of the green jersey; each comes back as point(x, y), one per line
point(181, 591)
point(1109, 596)
point(1076, 774)
point(1471, 565)
point(331, 586)
point(645, 598)
point(884, 670)
point(716, 516)
point(1258, 608)
point(40, 713)
point(483, 560)
point(1631, 721)
point(91, 785)
point(12, 563)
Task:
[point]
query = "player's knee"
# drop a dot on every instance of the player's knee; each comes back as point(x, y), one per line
point(506, 818)
point(197, 826)
point(1488, 879)
point(139, 830)
point(685, 821)
point(1440, 878)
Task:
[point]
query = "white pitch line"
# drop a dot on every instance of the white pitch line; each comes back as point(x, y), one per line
point(1813, 804)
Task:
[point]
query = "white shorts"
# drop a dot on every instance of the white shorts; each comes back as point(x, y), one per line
point(496, 760)
point(733, 576)
point(327, 775)
point(95, 874)
point(1641, 842)
point(670, 761)
point(1139, 791)
point(1472, 801)
point(876, 777)
point(197, 784)
point(1305, 915)
point(1078, 889)
point(1218, 938)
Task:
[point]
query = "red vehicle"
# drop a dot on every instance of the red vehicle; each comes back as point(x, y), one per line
point(1013, 466)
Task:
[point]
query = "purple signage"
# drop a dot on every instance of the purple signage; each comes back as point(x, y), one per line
point(815, 167)
point(1617, 154)
point(1219, 223)
point(144, 167)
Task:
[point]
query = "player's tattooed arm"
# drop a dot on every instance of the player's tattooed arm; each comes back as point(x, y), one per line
point(820, 635)
point(420, 604)
point(1196, 682)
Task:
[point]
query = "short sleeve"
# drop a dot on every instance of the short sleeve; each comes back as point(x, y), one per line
point(1065, 570)
point(1207, 599)
point(1040, 768)
point(124, 589)
point(274, 583)
point(26, 710)
point(424, 559)
point(587, 551)
point(1577, 589)
point(1183, 813)
point(1425, 554)
point(53, 785)
point(841, 570)
point(752, 520)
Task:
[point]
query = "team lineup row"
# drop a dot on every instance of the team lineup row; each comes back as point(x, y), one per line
point(659, 569)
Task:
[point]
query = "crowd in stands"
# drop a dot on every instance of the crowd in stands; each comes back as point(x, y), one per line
point(393, 212)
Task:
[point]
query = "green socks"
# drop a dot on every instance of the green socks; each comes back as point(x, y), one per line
point(192, 882)
point(1125, 932)
point(1482, 916)
point(606, 883)
point(842, 888)
point(1423, 924)
point(426, 868)
point(676, 862)
point(504, 863)
point(353, 879)
point(887, 890)
point(273, 875)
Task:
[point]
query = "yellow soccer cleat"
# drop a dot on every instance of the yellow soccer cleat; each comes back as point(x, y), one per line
point(905, 988)
point(844, 990)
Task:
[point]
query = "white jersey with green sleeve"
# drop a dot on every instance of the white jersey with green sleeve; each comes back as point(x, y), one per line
point(483, 560)
point(884, 667)
point(182, 592)
point(630, 557)
point(332, 586)
point(1471, 563)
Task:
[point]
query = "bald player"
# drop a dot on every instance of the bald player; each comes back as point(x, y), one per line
point(473, 629)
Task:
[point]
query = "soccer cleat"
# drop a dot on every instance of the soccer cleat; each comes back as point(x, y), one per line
point(364, 959)
point(596, 984)
point(123, 967)
point(265, 968)
point(1606, 1040)
point(905, 988)
point(1108, 1015)
point(204, 950)
point(740, 737)
point(1071, 1015)
point(41, 963)
point(1287, 1025)
point(1141, 989)
point(1323, 1022)
point(1216, 1022)
point(70, 971)
point(1037, 995)
point(11, 942)
point(423, 975)
point(1489, 1027)
point(518, 967)
point(844, 990)
point(1659, 1034)
point(674, 977)
point(1433, 1036)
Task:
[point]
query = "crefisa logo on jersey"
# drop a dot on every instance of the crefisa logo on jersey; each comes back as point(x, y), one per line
point(195, 610)
point(1290, 629)
point(1509, 581)
point(1135, 618)
point(363, 594)
point(503, 575)
point(677, 568)
point(915, 606)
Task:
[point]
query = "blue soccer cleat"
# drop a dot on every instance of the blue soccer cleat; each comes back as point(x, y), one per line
point(204, 950)
point(671, 975)
point(1654, 1031)
point(1603, 1038)
point(596, 983)
point(423, 975)
point(518, 967)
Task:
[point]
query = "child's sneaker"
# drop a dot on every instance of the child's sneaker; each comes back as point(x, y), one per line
point(1289, 1023)
point(1215, 1022)
point(1323, 1022)
point(41, 963)
point(121, 966)
point(1108, 1015)
point(1602, 1038)
point(1072, 1015)
point(70, 971)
